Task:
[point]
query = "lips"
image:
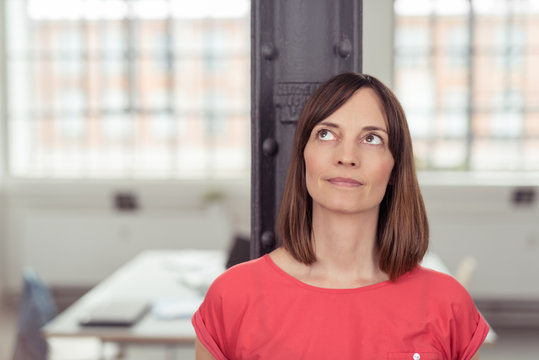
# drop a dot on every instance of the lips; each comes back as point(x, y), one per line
point(345, 182)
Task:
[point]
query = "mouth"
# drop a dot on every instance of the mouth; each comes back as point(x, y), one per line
point(344, 182)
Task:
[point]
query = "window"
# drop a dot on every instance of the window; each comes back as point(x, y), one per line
point(466, 73)
point(128, 89)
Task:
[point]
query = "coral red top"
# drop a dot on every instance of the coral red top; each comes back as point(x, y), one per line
point(255, 310)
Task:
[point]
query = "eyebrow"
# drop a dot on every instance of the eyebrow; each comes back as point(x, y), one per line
point(366, 128)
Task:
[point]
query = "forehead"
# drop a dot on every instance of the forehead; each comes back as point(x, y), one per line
point(363, 108)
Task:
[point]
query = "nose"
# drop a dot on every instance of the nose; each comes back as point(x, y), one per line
point(351, 163)
point(348, 156)
point(344, 162)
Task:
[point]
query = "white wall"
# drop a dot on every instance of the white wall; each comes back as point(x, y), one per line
point(72, 235)
point(481, 221)
point(378, 39)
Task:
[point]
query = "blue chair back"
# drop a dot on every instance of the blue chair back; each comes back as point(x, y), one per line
point(37, 307)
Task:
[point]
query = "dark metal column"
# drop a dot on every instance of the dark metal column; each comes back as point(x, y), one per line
point(295, 46)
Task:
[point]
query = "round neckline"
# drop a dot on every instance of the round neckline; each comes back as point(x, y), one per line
point(304, 285)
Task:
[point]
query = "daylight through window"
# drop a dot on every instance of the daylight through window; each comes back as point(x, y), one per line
point(128, 88)
point(466, 72)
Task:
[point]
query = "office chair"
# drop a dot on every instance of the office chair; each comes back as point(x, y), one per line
point(239, 250)
point(37, 307)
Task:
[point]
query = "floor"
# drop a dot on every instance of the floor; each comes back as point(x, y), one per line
point(512, 344)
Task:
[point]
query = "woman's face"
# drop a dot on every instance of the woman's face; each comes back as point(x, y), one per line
point(347, 158)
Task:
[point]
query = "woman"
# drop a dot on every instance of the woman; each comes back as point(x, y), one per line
point(346, 283)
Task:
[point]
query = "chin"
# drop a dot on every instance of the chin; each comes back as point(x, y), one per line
point(346, 207)
point(345, 203)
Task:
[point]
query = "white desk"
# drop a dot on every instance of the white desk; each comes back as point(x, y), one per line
point(151, 276)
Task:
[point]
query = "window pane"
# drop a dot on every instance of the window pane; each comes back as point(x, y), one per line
point(448, 154)
point(467, 82)
point(497, 154)
point(128, 88)
point(152, 89)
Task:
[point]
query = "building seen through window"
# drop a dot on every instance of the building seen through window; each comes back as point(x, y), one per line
point(128, 88)
point(466, 72)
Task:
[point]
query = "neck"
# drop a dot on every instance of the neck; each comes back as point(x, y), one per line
point(345, 247)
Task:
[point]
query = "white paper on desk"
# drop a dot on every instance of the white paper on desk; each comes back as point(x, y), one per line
point(196, 269)
point(174, 308)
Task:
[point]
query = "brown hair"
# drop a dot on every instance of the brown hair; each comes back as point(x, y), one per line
point(403, 230)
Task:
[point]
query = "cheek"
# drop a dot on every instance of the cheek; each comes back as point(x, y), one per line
point(312, 170)
point(383, 171)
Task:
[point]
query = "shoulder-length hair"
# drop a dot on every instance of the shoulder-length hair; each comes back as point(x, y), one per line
point(403, 230)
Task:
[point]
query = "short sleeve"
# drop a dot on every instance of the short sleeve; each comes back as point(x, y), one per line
point(470, 328)
point(207, 320)
point(461, 329)
point(474, 342)
point(220, 316)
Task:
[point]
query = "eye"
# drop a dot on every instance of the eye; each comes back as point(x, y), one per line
point(325, 134)
point(373, 139)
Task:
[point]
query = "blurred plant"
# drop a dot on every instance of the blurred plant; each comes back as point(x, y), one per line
point(213, 196)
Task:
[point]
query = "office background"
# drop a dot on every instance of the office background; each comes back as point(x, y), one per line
point(146, 156)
